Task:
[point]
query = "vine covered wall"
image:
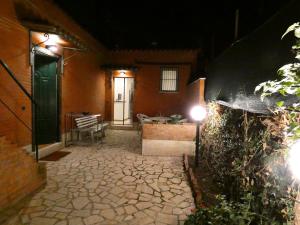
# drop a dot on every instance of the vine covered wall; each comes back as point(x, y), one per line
point(246, 155)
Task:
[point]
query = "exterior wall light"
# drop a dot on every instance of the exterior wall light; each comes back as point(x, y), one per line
point(198, 113)
point(294, 159)
point(52, 48)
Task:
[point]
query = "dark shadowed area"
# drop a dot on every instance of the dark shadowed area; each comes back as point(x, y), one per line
point(200, 24)
point(236, 65)
point(233, 76)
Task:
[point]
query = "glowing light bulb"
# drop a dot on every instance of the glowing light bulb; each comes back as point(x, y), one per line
point(52, 48)
point(198, 113)
point(294, 159)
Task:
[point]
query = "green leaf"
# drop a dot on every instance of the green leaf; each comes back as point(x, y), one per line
point(280, 103)
point(297, 32)
point(259, 87)
point(291, 28)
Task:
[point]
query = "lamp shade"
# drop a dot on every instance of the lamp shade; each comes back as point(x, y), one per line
point(52, 48)
point(198, 113)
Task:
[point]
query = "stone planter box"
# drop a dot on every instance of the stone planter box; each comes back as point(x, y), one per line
point(168, 139)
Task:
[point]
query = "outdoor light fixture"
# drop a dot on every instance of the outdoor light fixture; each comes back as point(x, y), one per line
point(294, 159)
point(198, 113)
point(52, 48)
point(122, 73)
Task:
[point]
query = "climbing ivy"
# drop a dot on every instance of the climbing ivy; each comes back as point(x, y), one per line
point(287, 85)
point(244, 153)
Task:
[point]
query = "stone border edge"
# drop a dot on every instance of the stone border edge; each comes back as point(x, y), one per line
point(193, 181)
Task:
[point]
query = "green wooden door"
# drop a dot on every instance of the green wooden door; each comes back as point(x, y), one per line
point(46, 96)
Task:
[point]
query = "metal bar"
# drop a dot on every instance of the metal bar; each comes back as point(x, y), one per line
point(75, 49)
point(169, 80)
point(124, 86)
point(33, 106)
point(34, 144)
point(236, 24)
point(197, 144)
point(163, 63)
point(177, 79)
point(18, 118)
point(33, 134)
point(36, 152)
point(16, 80)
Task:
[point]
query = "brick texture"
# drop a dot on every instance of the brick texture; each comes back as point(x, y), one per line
point(148, 99)
point(20, 174)
point(82, 84)
point(177, 132)
point(82, 89)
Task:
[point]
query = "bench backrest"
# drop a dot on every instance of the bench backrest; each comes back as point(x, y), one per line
point(86, 121)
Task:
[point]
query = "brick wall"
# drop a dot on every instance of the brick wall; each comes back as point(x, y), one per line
point(20, 175)
point(83, 85)
point(168, 139)
point(14, 51)
point(195, 94)
point(82, 82)
point(177, 132)
point(148, 99)
point(82, 89)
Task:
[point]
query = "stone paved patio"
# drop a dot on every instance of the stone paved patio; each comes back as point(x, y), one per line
point(113, 184)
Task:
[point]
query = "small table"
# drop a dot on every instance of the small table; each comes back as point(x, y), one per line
point(160, 119)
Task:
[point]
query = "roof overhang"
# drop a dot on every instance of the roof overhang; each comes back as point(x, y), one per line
point(119, 67)
point(31, 18)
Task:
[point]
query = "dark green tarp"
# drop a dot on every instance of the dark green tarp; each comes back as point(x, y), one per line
point(233, 76)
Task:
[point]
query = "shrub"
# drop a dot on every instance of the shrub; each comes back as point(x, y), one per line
point(231, 213)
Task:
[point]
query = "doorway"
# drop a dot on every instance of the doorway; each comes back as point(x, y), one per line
point(46, 95)
point(123, 101)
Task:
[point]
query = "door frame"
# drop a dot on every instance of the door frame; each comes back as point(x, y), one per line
point(47, 53)
point(113, 99)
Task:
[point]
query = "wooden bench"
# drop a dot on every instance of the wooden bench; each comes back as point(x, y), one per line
point(91, 124)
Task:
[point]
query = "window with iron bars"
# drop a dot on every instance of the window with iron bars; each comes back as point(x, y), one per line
point(169, 79)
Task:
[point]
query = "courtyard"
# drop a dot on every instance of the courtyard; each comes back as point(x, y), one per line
point(111, 183)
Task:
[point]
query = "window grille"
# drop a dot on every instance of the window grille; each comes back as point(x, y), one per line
point(169, 80)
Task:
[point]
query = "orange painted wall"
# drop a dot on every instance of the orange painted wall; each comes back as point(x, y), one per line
point(14, 51)
point(148, 98)
point(83, 85)
point(195, 95)
point(83, 80)
point(20, 174)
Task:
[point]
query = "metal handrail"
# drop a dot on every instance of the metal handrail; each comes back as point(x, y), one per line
point(10, 73)
point(18, 118)
point(34, 105)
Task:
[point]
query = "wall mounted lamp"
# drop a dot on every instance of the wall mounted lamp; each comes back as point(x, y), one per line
point(52, 48)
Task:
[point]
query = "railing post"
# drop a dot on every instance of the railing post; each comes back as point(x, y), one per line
point(34, 138)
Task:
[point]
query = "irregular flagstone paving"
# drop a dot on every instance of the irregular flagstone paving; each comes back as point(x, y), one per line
point(113, 184)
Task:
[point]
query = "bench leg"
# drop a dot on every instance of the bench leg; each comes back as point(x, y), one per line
point(78, 136)
point(92, 137)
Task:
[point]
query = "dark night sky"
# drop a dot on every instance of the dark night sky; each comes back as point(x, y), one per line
point(152, 25)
